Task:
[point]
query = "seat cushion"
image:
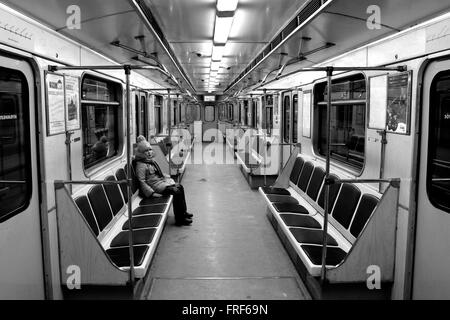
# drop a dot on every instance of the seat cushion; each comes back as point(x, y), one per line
point(148, 221)
point(141, 236)
point(300, 220)
point(303, 235)
point(153, 200)
point(281, 198)
point(272, 190)
point(290, 207)
point(139, 211)
point(314, 253)
point(121, 256)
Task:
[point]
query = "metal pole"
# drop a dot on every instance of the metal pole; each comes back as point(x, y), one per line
point(264, 116)
point(327, 177)
point(169, 125)
point(127, 69)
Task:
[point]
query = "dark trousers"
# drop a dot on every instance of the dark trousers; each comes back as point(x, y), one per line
point(179, 201)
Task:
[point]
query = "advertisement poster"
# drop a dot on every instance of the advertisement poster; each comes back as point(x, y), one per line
point(398, 103)
point(55, 104)
point(72, 85)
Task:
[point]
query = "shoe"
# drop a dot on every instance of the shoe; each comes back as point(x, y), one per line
point(184, 222)
point(188, 215)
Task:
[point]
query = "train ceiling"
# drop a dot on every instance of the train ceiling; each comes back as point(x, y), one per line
point(264, 34)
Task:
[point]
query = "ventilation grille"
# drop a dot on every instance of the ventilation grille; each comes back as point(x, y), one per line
point(307, 11)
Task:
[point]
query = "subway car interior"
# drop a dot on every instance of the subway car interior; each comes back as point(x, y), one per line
point(293, 149)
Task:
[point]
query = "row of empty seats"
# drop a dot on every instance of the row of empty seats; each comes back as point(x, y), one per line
point(300, 209)
point(104, 208)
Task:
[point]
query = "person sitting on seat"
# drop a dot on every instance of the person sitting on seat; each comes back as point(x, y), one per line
point(152, 182)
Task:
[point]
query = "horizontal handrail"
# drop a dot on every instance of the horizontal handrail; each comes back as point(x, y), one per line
point(91, 182)
point(12, 182)
point(394, 182)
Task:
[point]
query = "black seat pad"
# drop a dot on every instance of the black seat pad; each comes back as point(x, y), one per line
point(314, 253)
point(311, 236)
point(149, 221)
point(141, 236)
point(149, 209)
point(300, 220)
point(290, 207)
point(121, 256)
point(272, 190)
point(281, 198)
point(153, 200)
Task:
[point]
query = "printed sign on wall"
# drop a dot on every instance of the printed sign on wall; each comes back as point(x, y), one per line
point(72, 85)
point(56, 122)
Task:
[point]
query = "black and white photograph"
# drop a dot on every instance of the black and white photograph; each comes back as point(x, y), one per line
point(224, 158)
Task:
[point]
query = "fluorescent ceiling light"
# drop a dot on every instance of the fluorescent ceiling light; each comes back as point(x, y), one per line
point(215, 66)
point(217, 52)
point(227, 5)
point(222, 29)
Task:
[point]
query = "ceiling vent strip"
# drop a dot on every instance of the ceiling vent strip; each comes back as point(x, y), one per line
point(312, 7)
point(157, 30)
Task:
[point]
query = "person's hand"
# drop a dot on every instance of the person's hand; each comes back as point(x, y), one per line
point(166, 175)
point(156, 195)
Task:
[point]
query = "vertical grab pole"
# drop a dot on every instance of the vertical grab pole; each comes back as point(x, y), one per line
point(129, 180)
point(327, 178)
point(169, 125)
point(264, 116)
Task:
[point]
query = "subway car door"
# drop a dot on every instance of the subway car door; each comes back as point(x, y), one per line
point(431, 278)
point(21, 259)
point(286, 125)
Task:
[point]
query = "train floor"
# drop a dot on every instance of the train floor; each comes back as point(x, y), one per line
point(230, 252)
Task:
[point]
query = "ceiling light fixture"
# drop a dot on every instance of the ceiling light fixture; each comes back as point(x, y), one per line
point(227, 5)
point(217, 52)
point(222, 27)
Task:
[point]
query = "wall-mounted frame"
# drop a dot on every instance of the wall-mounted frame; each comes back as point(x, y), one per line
point(55, 103)
point(398, 111)
point(390, 102)
point(73, 110)
point(377, 102)
point(306, 114)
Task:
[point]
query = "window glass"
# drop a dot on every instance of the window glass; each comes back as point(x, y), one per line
point(15, 159)
point(198, 115)
point(246, 113)
point(209, 113)
point(438, 174)
point(158, 114)
point(100, 127)
point(348, 121)
point(143, 117)
point(295, 120)
point(286, 118)
point(137, 115)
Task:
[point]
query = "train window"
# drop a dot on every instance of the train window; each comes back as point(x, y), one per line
point(99, 122)
point(143, 117)
point(438, 173)
point(348, 121)
point(286, 118)
point(295, 120)
point(15, 157)
point(137, 115)
point(174, 114)
point(158, 114)
point(209, 114)
point(246, 113)
point(198, 115)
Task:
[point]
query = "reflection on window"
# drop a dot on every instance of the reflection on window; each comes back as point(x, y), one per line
point(348, 122)
point(15, 162)
point(286, 118)
point(438, 174)
point(100, 128)
point(209, 113)
point(158, 114)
